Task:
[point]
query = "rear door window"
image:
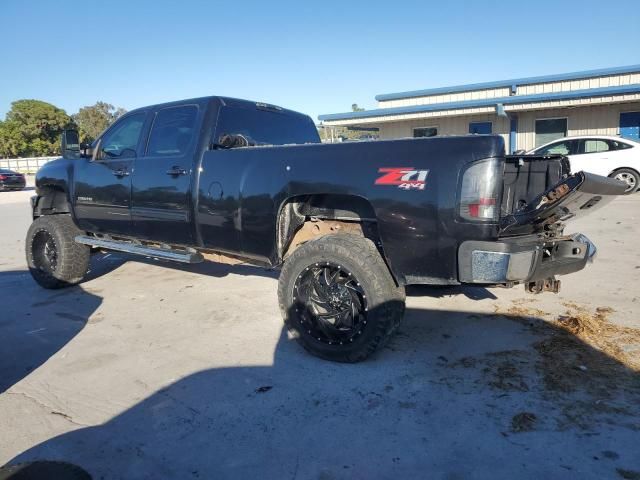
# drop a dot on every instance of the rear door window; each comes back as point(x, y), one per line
point(172, 131)
point(594, 145)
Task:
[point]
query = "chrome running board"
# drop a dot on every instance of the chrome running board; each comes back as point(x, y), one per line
point(182, 256)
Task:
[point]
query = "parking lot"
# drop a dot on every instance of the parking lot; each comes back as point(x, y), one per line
point(151, 370)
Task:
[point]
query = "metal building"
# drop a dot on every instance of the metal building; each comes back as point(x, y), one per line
point(527, 112)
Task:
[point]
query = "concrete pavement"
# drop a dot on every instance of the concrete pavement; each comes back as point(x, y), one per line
point(151, 370)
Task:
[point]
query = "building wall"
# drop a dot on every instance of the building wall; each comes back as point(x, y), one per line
point(458, 125)
point(583, 120)
point(596, 120)
point(549, 87)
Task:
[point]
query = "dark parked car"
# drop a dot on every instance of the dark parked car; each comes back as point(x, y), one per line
point(350, 224)
point(10, 180)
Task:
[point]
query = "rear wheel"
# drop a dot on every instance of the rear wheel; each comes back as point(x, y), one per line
point(628, 176)
point(338, 298)
point(55, 260)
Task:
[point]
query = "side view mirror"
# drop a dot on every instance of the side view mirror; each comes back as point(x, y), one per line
point(85, 150)
point(70, 144)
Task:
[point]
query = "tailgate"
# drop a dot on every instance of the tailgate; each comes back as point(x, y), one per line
point(572, 197)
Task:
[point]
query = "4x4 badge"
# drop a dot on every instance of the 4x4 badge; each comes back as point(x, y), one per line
point(406, 178)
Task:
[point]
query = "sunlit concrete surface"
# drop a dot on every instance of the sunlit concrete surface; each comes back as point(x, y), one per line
point(151, 370)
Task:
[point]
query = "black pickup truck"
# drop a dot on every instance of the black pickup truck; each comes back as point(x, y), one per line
point(350, 224)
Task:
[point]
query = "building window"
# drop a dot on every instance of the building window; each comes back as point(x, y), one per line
point(480, 128)
point(425, 132)
point(549, 129)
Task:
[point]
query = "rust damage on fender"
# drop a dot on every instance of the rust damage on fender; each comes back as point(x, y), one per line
point(317, 228)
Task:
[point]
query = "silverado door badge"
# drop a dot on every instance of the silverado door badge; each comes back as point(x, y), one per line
point(406, 178)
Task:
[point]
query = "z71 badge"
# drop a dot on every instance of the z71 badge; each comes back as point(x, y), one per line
point(406, 178)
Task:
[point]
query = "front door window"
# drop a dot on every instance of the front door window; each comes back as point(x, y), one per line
point(121, 140)
point(558, 148)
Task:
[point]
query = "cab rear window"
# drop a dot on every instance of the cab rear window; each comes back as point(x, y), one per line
point(265, 126)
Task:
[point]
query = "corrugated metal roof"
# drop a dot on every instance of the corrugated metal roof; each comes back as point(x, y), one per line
point(508, 83)
point(515, 99)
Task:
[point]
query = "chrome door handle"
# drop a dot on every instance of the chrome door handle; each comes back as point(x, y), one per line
point(176, 170)
point(121, 172)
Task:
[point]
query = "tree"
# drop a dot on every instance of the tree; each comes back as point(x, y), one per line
point(93, 120)
point(11, 142)
point(356, 108)
point(32, 128)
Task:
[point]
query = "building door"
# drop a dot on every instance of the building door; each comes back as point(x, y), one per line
point(630, 125)
point(550, 129)
point(480, 128)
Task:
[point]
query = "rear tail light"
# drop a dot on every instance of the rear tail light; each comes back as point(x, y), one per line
point(3, 177)
point(480, 189)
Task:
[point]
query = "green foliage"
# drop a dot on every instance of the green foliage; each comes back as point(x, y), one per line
point(32, 128)
point(356, 108)
point(12, 143)
point(93, 120)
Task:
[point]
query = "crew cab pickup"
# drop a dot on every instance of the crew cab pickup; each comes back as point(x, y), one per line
point(350, 224)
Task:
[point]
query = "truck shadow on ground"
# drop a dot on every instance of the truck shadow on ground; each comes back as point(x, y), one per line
point(453, 395)
point(471, 292)
point(36, 323)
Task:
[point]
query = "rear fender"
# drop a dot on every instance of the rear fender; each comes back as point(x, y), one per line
point(304, 217)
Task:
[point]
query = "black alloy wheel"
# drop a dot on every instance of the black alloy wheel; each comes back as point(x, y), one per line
point(45, 252)
point(331, 303)
point(54, 258)
point(338, 298)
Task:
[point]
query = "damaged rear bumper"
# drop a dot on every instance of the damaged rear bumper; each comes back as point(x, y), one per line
point(523, 260)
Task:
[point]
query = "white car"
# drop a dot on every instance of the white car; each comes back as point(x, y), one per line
point(613, 157)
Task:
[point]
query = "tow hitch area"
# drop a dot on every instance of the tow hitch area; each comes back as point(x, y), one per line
point(547, 285)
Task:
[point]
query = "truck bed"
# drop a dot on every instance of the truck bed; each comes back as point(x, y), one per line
point(526, 177)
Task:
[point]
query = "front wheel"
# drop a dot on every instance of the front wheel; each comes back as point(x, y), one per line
point(55, 260)
point(628, 176)
point(338, 298)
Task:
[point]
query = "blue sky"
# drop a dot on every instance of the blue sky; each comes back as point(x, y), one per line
point(315, 57)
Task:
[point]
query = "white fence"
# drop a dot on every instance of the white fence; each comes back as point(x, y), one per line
point(24, 165)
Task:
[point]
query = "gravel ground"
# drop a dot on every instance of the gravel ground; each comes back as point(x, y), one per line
point(152, 370)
